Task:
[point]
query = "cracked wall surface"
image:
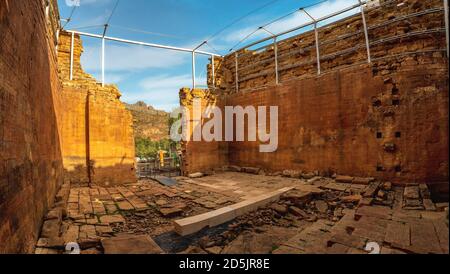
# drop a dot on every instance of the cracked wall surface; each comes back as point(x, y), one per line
point(387, 119)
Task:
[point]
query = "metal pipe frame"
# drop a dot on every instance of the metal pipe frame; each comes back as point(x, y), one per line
point(277, 79)
point(428, 11)
point(57, 41)
point(193, 70)
point(71, 55)
point(213, 72)
point(237, 73)
point(316, 34)
point(104, 38)
point(275, 49)
point(103, 54)
point(446, 26)
point(317, 48)
point(304, 25)
point(103, 62)
point(194, 84)
point(366, 34)
point(142, 43)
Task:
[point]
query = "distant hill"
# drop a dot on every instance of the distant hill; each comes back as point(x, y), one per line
point(148, 122)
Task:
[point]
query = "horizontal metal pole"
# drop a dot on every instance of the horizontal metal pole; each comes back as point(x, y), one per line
point(302, 26)
point(142, 43)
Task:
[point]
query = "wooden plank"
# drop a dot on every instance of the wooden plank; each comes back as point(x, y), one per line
point(194, 224)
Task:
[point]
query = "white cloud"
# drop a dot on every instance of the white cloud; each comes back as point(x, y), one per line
point(292, 21)
point(126, 58)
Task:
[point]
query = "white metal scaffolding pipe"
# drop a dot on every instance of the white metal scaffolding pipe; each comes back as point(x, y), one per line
point(193, 70)
point(316, 33)
point(317, 48)
point(303, 25)
point(237, 73)
point(446, 26)
point(142, 43)
point(276, 60)
point(57, 41)
point(103, 62)
point(366, 34)
point(213, 72)
point(71, 55)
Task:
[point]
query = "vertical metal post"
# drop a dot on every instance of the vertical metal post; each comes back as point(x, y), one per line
point(237, 73)
point(446, 25)
point(316, 33)
point(103, 61)
point(276, 60)
point(193, 70)
point(317, 48)
point(366, 34)
point(213, 72)
point(47, 11)
point(57, 41)
point(71, 55)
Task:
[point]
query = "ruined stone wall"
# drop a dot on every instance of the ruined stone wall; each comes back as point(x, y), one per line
point(345, 122)
point(395, 27)
point(201, 156)
point(30, 153)
point(387, 119)
point(97, 133)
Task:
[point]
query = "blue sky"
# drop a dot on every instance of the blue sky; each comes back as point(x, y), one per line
point(154, 75)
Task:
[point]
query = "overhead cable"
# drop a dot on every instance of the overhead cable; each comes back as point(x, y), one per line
point(274, 21)
point(70, 16)
point(112, 12)
point(147, 32)
point(241, 18)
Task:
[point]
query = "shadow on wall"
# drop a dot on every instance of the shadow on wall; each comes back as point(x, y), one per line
point(97, 133)
point(31, 168)
point(97, 172)
point(102, 176)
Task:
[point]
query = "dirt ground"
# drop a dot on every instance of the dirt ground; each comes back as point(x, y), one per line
point(320, 215)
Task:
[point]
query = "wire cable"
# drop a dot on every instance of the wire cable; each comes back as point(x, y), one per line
point(147, 32)
point(274, 21)
point(245, 38)
point(213, 48)
point(70, 16)
point(88, 27)
point(112, 12)
point(241, 18)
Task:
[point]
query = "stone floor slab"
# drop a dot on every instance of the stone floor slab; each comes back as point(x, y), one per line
point(131, 244)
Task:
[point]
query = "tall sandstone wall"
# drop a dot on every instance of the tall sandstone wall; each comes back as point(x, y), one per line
point(31, 168)
point(387, 119)
point(200, 156)
point(97, 133)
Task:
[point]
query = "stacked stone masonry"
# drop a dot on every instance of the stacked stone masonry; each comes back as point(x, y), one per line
point(387, 119)
point(97, 133)
point(395, 28)
point(31, 167)
point(204, 155)
point(51, 128)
